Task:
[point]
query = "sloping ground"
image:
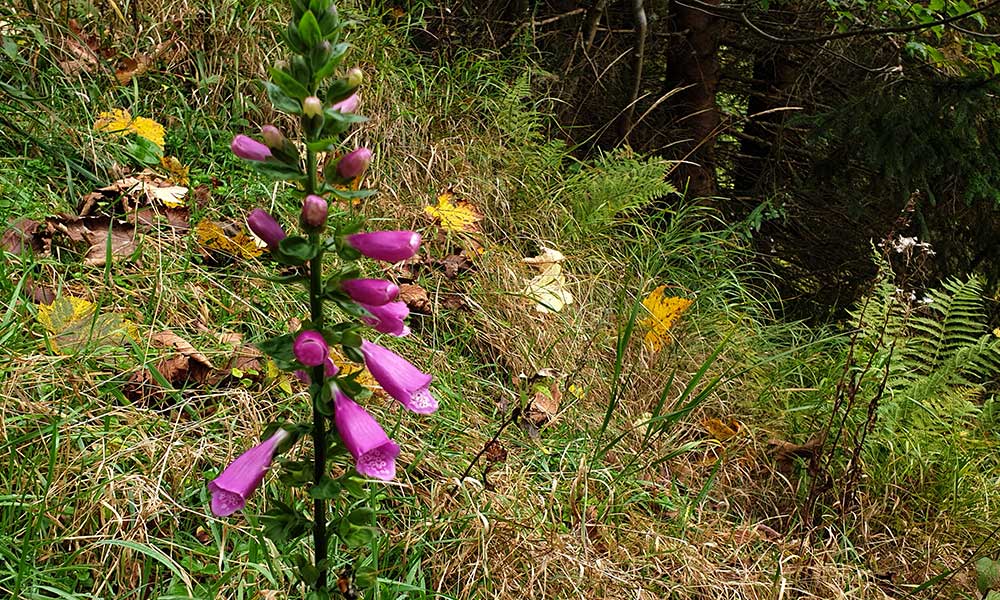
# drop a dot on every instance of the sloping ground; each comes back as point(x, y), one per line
point(653, 476)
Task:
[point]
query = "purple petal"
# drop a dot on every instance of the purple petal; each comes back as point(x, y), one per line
point(265, 227)
point(348, 105)
point(399, 378)
point(390, 246)
point(388, 318)
point(310, 348)
point(238, 481)
point(354, 163)
point(374, 292)
point(249, 148)
point(374, 453)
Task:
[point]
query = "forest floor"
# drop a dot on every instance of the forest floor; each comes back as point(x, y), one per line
point(670, 440)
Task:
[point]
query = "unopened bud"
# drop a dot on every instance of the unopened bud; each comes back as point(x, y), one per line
point(314, 211)
point(312, 106)
point(354, 77)
point(272, 136)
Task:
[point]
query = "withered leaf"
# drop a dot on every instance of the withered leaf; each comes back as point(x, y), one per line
point(22, 234)
point(415, 298)
point(169, 339)
point(545, 403)
point(494, 452)
point(90, 236)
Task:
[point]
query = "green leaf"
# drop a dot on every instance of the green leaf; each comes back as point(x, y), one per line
point(362, 517)
point(288, 84)
point(326, 489)
point(354, 536)
point(298, 247)
point(351, 194)
point(280, 350)
point(352, 485)
point(309, 29)
point(281, 100)
point(352, 353)
point(278, 170)
point(351, 339)
point(143, 150)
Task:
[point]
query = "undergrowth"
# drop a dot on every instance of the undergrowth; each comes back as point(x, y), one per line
point(671, 474)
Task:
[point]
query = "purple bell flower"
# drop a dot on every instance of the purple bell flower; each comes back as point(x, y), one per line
point(374, 292)
point(249, 148)
point(347, 105)
point(238, 481)
point(374, 453)
point(390, 246)
point(310, 349)
point(265, 227)
point(388, 318)
point(354, 163)
point(314, 211)
point(399, 378)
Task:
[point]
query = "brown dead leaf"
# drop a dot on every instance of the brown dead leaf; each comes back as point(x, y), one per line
point(169, 339)
point(494, 452)
point(415, 297)
point(130, 68)
point(89, 235)
point(455, 264)
point(545, 404)
point(452, 301)
point(80, 58)
point(785, 451)
point(22, 234)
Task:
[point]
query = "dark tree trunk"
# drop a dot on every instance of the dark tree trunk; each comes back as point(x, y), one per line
point(772, 74)
point(693, 62)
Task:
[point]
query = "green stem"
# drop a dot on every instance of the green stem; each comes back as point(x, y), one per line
point(320, 539)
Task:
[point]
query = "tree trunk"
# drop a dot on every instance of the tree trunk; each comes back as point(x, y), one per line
point(693, 63)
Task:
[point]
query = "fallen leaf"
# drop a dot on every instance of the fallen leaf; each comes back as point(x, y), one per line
point(130, 68)
point(548, 290)
point(548, 257)
point(545, 403)
point(21, 234)
point(169, 339)
point(721, 430)
point(415, 298)
point(119, 122)
point(454, 264)
point(171, 196)
point(455, 216)
point(90, 235)
point(177, 172)
point(663, 313)
point(211, 236)
point(72, 323)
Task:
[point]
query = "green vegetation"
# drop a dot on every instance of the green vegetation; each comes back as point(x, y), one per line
point(751, 457)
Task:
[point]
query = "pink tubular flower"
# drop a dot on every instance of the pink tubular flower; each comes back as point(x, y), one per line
point(354, 163)
point(390, 246)
point(374, 453)
point(347, 105)
point(310, 349)
point(237, 482)
point(314, 211)
point(388, 318)
point(374, 292)
point(330, 370)
point(399, 378)
point(265, 227)
point(249, 148)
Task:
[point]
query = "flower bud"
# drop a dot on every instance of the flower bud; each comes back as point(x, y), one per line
point(347, 105)
point(370, 291)
point(312, 106)
point(354, 163)
point(272, 137)
point(390, 246)
point(249, 148)
point(310, 349)
point(314, 211)
point(354, 77)
point(265, 227)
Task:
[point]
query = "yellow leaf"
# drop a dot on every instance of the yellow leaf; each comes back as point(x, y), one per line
point(663, 313)
point(548, 290)
point(211, 237)
point(721, 430)
point(171, 196)
point(120, 123)
point(459, 216)
point(71, 324)
point(178, 172)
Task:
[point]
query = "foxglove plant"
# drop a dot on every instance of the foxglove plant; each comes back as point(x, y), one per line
point(306, 87)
